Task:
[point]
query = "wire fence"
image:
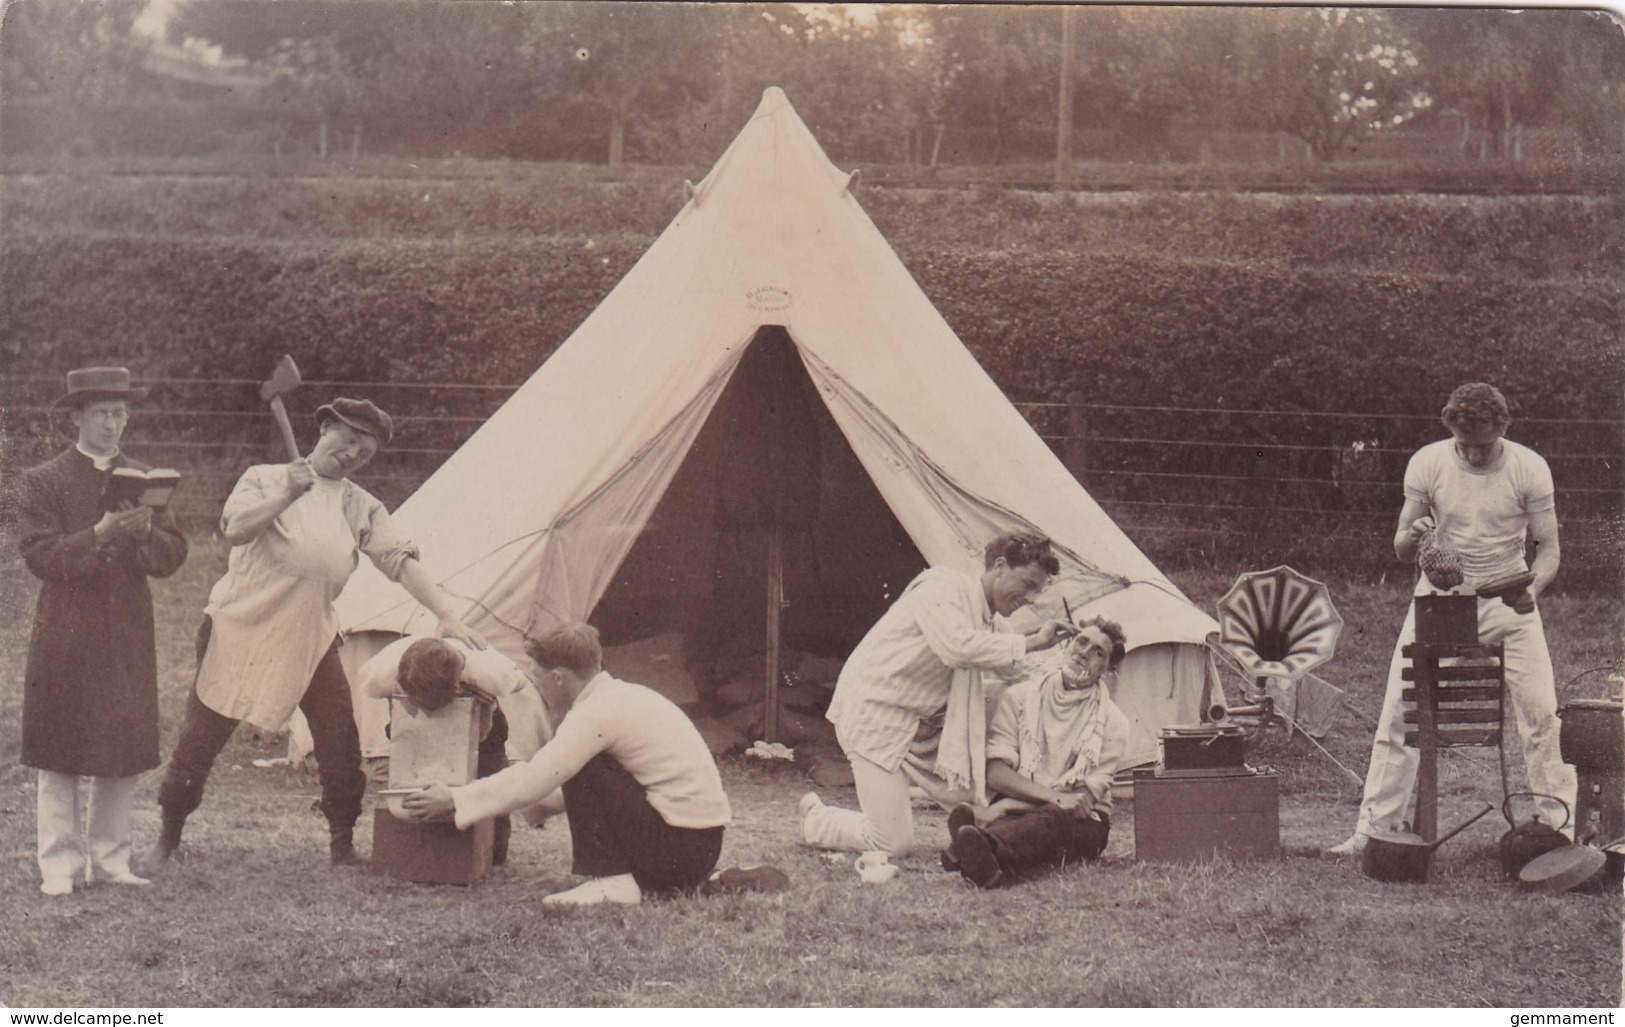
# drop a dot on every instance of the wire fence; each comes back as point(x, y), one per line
point(1188, 485)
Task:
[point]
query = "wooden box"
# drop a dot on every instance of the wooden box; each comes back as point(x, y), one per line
point(1447, 620)
point(425, 748)
point(1209, 746)
point(1194, 817)
point(430, 853)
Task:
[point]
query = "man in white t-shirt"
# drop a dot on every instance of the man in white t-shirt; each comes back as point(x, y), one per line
point(1485, 494)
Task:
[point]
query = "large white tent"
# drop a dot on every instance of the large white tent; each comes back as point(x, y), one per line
point(771, 355)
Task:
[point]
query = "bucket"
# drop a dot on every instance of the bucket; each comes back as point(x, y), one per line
point(1592, 734)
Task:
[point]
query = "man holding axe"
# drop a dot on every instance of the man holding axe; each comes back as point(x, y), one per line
point(269, 638)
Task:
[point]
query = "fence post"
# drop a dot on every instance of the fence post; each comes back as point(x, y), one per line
point(1076, 451)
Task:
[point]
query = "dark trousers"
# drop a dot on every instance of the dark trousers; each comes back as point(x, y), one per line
point(614, 830)
point(327, 708)
point(492, 758)
point(1029, 842)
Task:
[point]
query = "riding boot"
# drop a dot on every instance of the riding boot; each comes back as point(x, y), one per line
point(501, 829)
point(169, 836)
point(168, 840)
point(341, 847)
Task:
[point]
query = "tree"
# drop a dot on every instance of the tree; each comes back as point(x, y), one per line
point(917, 84)
point(1590, 74)
point(314, 76)
point(627, 64)
point(867, 86)
point(1477, 68)
point(463, 78)
point(70, 55)
point(1324, 74)
point(1499, 70)
point(750, 48)
point(998, 68)
point(1165, 66)
point(320, 56)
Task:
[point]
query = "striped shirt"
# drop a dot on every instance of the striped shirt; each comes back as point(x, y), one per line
point(902, 670)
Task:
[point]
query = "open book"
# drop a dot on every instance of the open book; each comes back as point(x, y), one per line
point(147, 488)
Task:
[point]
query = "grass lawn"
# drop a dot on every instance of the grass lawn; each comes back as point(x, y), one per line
point(254, 917)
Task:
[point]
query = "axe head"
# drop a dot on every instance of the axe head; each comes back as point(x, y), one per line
point(284, 379)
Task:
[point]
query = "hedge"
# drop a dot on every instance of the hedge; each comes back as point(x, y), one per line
point(1135, 319)
point(476, 271)
point(1505, 236)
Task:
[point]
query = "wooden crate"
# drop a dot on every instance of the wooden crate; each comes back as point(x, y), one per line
point(430, 853)
point(1447, 620)
point(1189, 818)
point(425, 748)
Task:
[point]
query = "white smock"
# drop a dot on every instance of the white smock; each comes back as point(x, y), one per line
point(272, 612)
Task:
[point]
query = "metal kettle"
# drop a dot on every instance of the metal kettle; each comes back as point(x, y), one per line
point(1528, 841)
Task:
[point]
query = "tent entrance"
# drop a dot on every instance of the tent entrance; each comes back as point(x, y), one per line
point(769, 501)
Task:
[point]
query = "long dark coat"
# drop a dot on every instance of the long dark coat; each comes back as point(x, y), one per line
point(90, 693)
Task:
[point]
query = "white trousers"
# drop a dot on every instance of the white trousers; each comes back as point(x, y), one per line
point(1531, 693)
point(884, 822)
point(102, 846)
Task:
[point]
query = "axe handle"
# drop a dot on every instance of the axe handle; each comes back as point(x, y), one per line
point(281, 414)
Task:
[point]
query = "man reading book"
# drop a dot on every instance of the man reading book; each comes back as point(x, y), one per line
point(90, 692)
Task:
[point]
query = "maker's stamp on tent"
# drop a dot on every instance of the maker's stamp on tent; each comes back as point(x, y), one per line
point(768, 297)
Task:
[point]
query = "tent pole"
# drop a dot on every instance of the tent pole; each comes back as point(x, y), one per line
point(775, 603)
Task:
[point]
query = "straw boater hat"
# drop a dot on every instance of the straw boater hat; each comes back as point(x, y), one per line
point(359, 414)
point(89, 384)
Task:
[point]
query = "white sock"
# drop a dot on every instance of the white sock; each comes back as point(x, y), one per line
point(620, 890)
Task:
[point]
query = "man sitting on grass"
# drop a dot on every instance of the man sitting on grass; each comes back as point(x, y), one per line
point(642, 793)
point(1052, 748)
